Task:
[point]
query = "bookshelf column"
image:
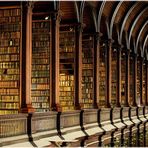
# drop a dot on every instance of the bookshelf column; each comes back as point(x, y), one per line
point(55, 105)
point(127, 77)
point(146, 101)
point(135, 79)
point(141, 80)
point(108, 73)
point(27, 103)
point(78, 67)
point(118, 76)
point(96, 69)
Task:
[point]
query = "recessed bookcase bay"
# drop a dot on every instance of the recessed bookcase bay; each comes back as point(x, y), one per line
point(87, 71)
point(10, 49)
point(41, 48)
point(67, 72)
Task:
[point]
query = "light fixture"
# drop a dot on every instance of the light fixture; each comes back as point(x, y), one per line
point(47, 17)
point(71, 29)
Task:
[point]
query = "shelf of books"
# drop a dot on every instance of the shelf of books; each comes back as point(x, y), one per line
point(102, 75)
point(131, 81)
point(87, 71)
point(144, 81)
point(138, 80)
point(114, 77)
point(67, 61)
point(123, 77)
point(10, 47)
point(41, 49)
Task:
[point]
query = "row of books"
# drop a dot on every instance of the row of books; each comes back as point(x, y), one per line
point(41, 25)
point(86, 100)
point(9, 91)
point(87, 85)
point(67, 48)
point(68, 108)
point(87, 60)
point(66, 103)
point(6, 98)
point(9, 71)
point(66, 55)
point(40, 105)
point(64, 77)
point(10, 19)
point(9, 50)
point(67, 36)
point(102, 98)
point(87, 78)
point(68, 84)
point(10, 35)
point(41, 61)
point(66, 98)
point(88, 72)
point(40, 99)
point(86, 105)
point(40, 67)
point(35, 93)
point(39, 31)
point(40, 50)
point(45, 53)
point(87, 55)
point(87, 66)
point(87, 96)
point(9, 84)
point(6, 105)
point(40, 86)
point(39, 44)
point(41, 37)
point(102, 74)
point(87, 90)
point(67, 88)
point(5, 27)
point(11, 65)
point(10, 12)
point(66, 93)
point(9, 77)
point(40, 73)
point(9, 57)
point(9, 42)
point(40, 80)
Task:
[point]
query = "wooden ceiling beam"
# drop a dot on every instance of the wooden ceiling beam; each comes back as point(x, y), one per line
point(134, 23)
point(145, 43)
point(124, 22)
point(113, 18)
point(100, 15)
point(139, 35)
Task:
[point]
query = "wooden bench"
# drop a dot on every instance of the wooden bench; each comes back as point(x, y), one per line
point(91, 127)
point(107, 126)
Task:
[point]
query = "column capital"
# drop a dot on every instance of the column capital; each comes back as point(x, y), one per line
point(56, 16)
point(128, 51)
point(30, 4)
point(79, 27)
point(109, 41)
point(97, 36)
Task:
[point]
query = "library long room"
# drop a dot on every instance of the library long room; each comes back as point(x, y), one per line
point(74, 73)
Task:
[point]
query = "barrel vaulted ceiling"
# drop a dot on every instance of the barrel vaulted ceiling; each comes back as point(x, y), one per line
point(125, 22)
